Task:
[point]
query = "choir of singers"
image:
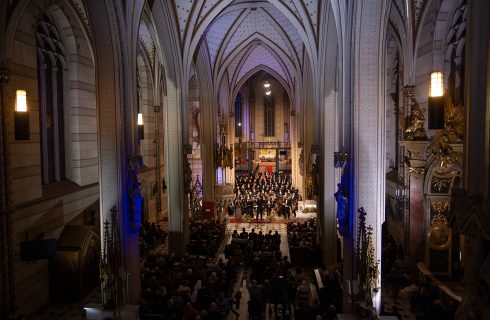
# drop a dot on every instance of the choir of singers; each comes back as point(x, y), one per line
point(261, 194)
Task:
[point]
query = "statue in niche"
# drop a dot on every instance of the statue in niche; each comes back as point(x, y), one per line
point(342, 203)
point(415, 122)
point(342, 198)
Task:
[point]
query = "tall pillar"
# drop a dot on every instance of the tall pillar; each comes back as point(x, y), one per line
point(207, 150)
point(471, 204)
point(174, 158)
point(7, 294)
point(329, 143)
point(251, 116)
point(412, 173)
point(415, 220)
point(116, 133)
point(368, 123)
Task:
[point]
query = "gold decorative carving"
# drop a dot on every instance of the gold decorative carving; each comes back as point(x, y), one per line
point(223, 157)
point(452, 133)
point(416, 172)
point(440, 183)
point(441, 150)
point(454, 124)
point(415, 123)
point(368, 266)
point(440, 237)
point(440, 207)
point(439, 218)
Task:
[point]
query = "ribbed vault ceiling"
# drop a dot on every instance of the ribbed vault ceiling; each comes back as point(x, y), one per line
point(244, 36)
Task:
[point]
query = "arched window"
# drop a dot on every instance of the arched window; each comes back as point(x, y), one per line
point(238, 116)
point(51, 64)
point(269, 122)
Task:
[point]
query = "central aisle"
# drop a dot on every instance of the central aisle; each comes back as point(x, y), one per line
point(244, 274)
point(281, 228)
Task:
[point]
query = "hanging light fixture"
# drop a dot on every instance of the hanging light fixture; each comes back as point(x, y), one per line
point(141, 127)
point(21, 116)
point(267, 84)
point(268, 92)
point(436, 100)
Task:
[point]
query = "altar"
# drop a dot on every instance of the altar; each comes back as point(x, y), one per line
point(306, 209)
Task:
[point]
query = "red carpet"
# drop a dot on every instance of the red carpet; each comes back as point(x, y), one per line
point(239, 220)
point(276, 220)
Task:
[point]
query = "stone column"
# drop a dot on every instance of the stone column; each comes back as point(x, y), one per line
point(116, 126)
point(7, 302)
point(368, 123)
point(415, 219)
point(174, 158)
point(207, 151)
point(251, 115)
point(471, 204)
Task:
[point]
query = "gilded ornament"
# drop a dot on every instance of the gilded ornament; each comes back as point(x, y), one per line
point(440, 184)
point(440, 237)
point(440, 206)
point(454, 124)
point(415, 124)
point(438, 219)
point(415, 172)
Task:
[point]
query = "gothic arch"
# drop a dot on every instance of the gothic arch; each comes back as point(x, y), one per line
point(307, 34)
point(78, 80)
point(437, 30)
point(245, 48)
point(250, 73)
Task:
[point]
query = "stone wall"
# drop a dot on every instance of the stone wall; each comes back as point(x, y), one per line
point(46, 218)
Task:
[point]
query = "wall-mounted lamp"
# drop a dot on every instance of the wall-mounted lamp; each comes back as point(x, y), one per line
point(141, 127)
point(239, 124)
point(21, 116)
point(436, 100)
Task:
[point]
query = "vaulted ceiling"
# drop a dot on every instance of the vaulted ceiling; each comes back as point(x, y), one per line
point(244, 36)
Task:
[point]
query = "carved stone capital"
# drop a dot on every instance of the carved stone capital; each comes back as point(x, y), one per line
point(416, 172)
point(408, 91)
point(416, 151)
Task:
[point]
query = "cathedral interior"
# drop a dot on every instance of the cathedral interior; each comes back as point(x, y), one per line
point(137, 136)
